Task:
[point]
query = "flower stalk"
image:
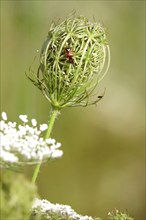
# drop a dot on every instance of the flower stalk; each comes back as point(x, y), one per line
point(54, 112)
point(53, 115)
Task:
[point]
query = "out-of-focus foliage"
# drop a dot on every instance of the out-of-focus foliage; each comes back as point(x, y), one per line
point(17, 195)
point(103, 166)
point(117, 215)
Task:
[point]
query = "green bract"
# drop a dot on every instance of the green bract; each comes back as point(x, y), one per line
point(73, 60)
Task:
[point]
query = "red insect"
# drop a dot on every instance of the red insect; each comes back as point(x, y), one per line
point(69, 54)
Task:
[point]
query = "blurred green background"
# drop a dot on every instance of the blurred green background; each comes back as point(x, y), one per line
point(103, 163)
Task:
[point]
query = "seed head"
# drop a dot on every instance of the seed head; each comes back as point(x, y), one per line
point(73, 60)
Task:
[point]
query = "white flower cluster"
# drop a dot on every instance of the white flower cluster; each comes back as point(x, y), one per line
point(44, 208)
point(23, 144)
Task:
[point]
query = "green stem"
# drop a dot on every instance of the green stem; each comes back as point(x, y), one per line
point(53, 115)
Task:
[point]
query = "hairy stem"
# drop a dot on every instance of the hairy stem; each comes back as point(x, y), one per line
point(53, 115)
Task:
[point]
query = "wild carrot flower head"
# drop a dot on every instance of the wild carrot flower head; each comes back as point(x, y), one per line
point(23, 144)
point(73, 60)
point(47, 210)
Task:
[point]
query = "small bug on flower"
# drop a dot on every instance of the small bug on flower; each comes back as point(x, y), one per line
point(69, 54)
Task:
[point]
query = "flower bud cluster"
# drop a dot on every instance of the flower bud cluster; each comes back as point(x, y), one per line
point(23, 144)
point(44, 208)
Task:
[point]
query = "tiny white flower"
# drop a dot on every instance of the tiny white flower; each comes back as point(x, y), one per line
point(29, 130)
point(58, 145)
point(34, 122)
point(4, 116)
point(9, 157)
point(22, 130)
point(50, 141)
point(2, 125)
point(12, 124)
point(43, 127)
point(23, 118)
point(57, 153)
